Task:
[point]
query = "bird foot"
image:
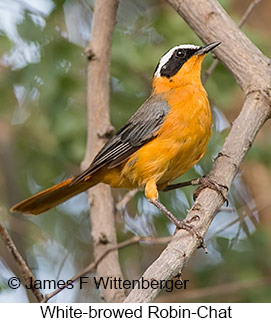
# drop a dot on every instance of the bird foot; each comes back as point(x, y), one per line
point(186, 225)
point(207, 182)
point(181, 225)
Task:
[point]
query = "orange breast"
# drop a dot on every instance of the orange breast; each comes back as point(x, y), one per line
point(180, 143)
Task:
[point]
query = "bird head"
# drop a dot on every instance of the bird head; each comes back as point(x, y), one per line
point(180, 65)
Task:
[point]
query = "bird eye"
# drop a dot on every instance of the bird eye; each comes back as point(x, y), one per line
point(180, 53)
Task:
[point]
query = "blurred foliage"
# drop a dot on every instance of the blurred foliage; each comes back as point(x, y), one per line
point(43, 126)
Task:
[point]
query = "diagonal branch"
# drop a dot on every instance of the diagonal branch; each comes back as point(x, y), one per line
point(251, 70)
point(237, 52)
point(91, 267)
point(240, 25)
point(22, 265)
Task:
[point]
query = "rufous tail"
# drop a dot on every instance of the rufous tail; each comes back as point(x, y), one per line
point(52, 196)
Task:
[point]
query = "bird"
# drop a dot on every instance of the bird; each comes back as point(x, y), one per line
point(162, 140)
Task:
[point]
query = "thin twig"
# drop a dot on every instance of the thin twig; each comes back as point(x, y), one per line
point(125, 199)
point(22, 265)
point(94, 264)
point(248, 12)
point(239, 210)
point(240, 25)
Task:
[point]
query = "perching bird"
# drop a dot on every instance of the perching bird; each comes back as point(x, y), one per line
point(165, 137)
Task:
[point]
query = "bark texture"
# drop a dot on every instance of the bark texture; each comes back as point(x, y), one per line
point(102, 213)
point(252, 71)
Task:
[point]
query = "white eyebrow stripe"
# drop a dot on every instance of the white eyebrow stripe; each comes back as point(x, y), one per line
point(164, 59)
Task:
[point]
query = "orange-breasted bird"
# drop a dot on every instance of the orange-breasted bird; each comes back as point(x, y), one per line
point(165, 137)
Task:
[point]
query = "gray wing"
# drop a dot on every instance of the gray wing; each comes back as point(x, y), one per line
point(139, 129)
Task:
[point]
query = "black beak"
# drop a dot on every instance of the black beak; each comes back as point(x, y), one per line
point(206, 49)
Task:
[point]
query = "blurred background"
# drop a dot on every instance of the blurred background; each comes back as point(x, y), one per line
point(43, 128)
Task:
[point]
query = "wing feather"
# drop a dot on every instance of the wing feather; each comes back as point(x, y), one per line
point(140, 129)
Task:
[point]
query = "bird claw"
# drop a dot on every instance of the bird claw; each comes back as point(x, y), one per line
point(207, 182)
point(181, 225)
point(186, 225)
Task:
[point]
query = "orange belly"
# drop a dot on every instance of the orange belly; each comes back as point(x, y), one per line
point(179, 144)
